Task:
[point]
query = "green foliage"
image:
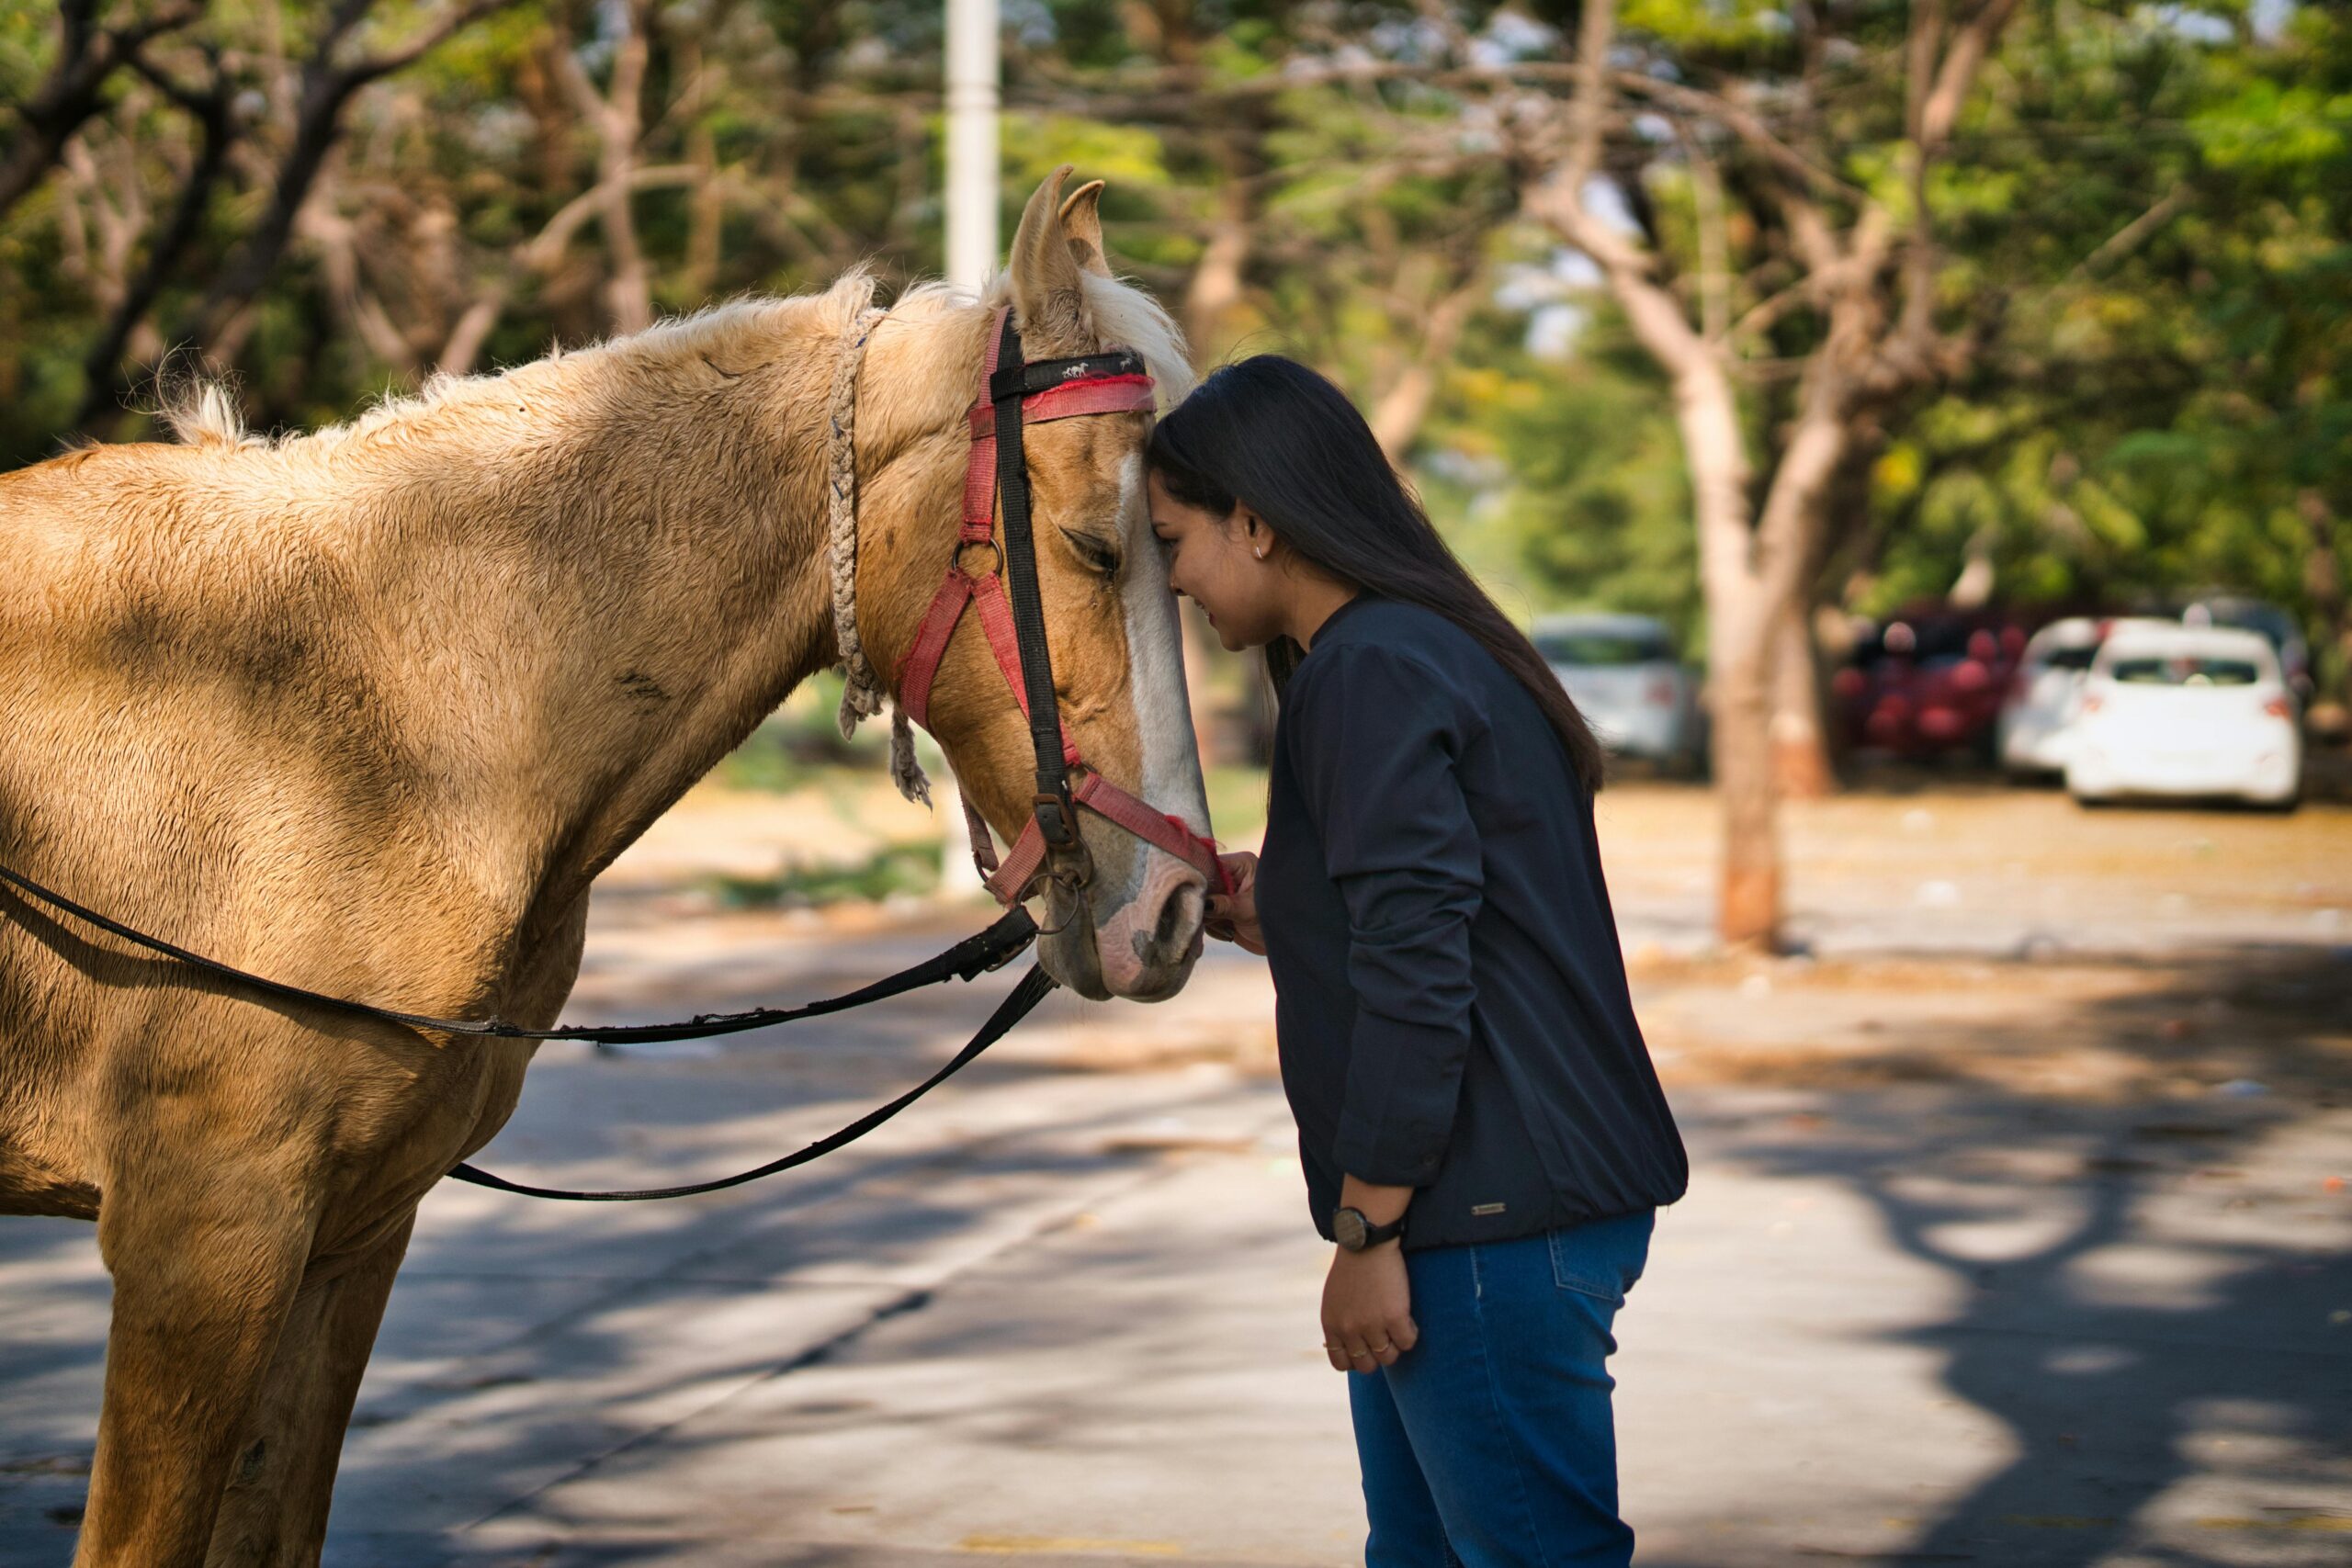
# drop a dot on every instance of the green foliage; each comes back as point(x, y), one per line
point(2153, 227)
point(1598, 515)
point(894, 869)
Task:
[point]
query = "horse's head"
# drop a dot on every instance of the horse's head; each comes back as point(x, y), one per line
point(1133, 927)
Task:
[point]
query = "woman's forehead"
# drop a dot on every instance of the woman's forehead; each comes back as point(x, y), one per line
point(1167, 511)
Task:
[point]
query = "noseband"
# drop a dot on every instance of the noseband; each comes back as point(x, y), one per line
point(1014, 393)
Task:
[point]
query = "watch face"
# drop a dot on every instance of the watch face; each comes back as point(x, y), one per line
point(1348, 1229)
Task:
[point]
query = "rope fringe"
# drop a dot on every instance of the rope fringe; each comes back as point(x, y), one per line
point(862, 691)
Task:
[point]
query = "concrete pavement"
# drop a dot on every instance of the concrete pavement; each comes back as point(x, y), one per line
point(1064, 1312)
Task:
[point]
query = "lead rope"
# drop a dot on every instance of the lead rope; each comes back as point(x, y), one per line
point(862, 691)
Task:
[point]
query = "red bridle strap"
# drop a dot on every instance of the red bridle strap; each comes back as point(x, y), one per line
point(962, 589)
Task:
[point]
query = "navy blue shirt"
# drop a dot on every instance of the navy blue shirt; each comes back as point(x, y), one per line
point(1451, 1006)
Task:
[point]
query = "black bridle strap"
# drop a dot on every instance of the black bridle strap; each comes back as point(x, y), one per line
point(1010, 1012)
point(1057, 816)
point(990, 949)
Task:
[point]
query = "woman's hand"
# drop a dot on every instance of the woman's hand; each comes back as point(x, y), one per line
point(1368, 1309)
point(1233, 916)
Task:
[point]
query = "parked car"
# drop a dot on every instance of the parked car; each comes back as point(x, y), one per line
point(1621, 671)
point(2273, 621)
point(1927, 683)
point(2172, 710)
point(2043, 695)
point(2036, 726)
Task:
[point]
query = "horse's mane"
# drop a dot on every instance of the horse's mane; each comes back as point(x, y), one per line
point(203, 410)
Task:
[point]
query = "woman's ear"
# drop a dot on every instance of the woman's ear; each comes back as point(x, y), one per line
point(1255, 533)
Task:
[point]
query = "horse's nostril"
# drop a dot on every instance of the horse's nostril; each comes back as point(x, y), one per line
point(1167, 939)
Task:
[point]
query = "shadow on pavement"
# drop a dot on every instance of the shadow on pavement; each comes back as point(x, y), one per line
point(2155, 1284)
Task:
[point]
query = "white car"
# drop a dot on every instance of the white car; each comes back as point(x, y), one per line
point(1621, 672)
point(2036, 726)
point(2171, 710)
point(2038, 714)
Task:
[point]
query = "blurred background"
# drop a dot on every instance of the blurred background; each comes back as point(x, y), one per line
point(1851, 368)
point(1919, 433)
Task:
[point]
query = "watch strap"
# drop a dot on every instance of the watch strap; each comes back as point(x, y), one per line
point(1373, 1234)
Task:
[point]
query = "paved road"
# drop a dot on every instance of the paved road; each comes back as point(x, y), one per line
point(1064, 1313)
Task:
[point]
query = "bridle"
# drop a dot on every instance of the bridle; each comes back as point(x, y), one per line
point(1015, 392)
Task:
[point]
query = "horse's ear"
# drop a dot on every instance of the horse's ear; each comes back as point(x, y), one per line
point(1082, 226)
point(1047, 299)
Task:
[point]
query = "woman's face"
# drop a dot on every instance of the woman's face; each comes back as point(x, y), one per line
point(1227, 565)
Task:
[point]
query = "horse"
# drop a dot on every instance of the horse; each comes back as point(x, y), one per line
point(367, 710)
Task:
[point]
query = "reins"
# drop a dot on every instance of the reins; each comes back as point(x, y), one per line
point(1014, 391)
point(968, 960)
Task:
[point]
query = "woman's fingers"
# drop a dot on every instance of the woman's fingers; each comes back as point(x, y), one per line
point(1362, 1350)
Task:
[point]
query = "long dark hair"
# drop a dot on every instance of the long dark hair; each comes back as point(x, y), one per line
point(1269, 433)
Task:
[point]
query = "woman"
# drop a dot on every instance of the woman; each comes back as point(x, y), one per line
point(1483, 1135)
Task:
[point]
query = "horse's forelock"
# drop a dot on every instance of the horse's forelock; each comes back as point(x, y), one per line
point(1124, 317)
point(1129, 318)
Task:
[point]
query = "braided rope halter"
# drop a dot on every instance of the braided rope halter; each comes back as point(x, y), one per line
point(1013, 393)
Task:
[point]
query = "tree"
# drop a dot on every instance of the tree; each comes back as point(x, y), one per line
point(1840, 154)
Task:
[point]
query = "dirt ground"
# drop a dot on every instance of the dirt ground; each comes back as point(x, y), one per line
point(1975, 934)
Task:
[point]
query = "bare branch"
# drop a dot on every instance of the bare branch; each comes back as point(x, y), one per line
point(1741, 122)
point(87, 58)
point(2129, 238)
point(1941, 111)
point(431, 37)
point(102, 381)
point(1714, 250)
point(326, 91)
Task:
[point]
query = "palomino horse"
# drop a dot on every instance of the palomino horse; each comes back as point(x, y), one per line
point(366, 711)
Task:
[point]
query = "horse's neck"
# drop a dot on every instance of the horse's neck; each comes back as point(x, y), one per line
point(638, 560)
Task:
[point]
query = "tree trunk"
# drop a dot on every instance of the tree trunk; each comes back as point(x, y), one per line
point(2331, 651)
point(1740, 656)
point(1801, 769)
point(1215, 287)
point(1397, 416)
point(1739, 660)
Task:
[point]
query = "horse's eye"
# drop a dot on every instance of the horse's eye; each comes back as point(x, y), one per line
point(1099, 554)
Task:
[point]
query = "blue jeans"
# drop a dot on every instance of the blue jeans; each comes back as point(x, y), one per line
point(1490, 1443)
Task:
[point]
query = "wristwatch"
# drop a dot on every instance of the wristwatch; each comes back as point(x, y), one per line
point(1355, 1234)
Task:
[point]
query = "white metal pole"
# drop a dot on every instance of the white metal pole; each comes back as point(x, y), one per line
point(972, 71)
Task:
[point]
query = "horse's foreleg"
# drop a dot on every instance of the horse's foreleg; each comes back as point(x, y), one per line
point(274, 1513)
point(204, 1272)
